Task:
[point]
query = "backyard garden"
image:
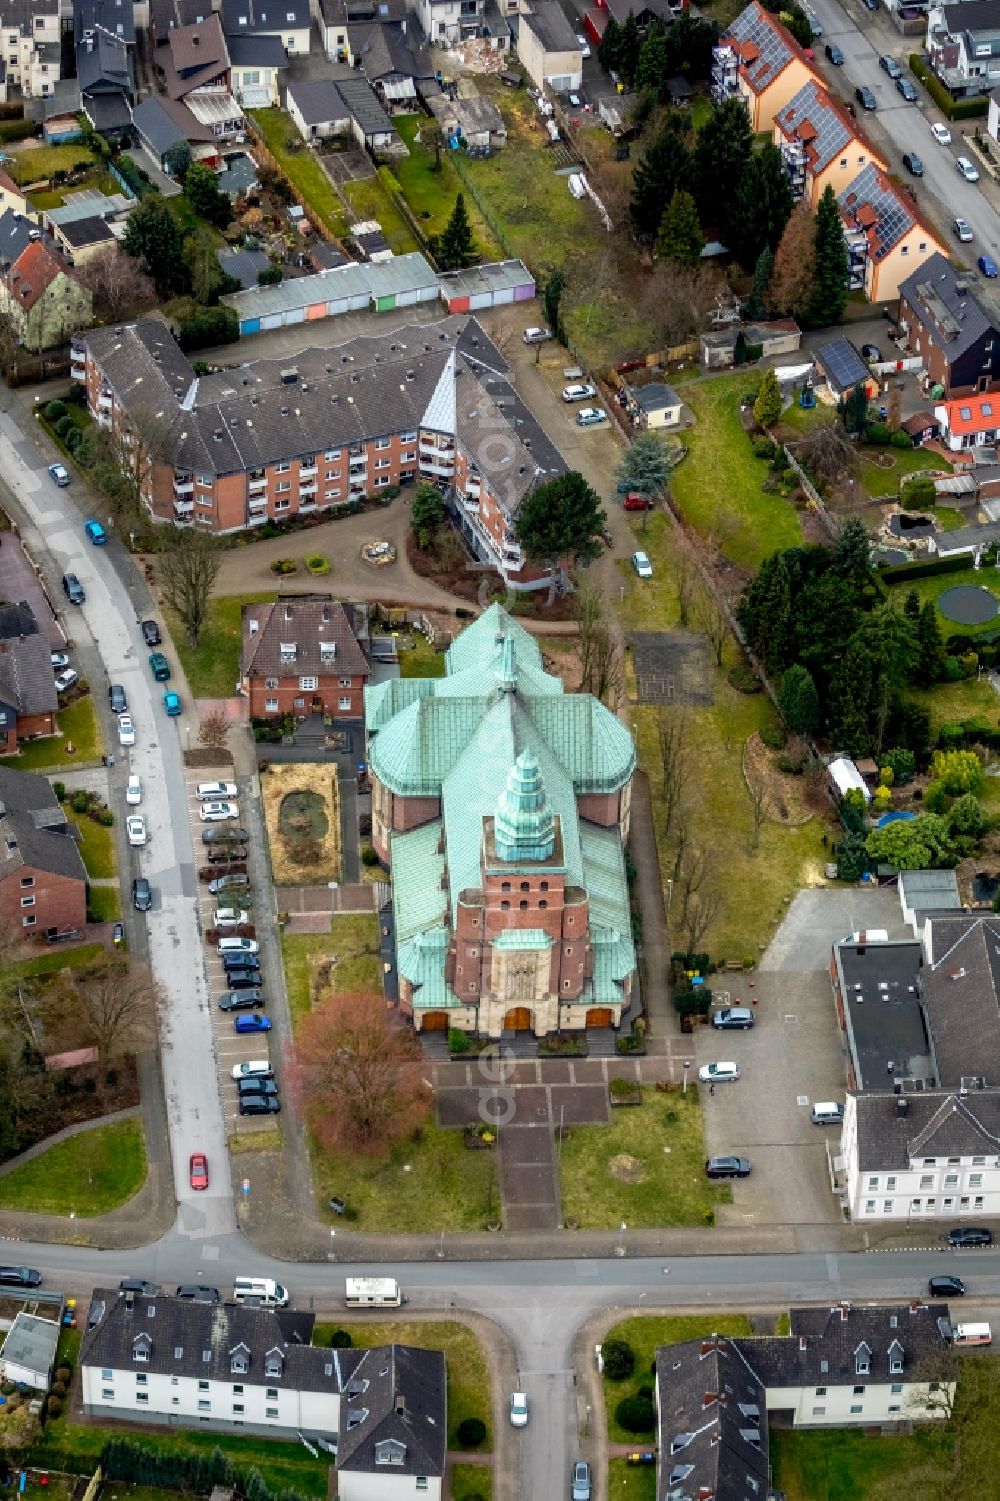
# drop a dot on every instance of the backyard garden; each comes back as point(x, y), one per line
point(302, 813)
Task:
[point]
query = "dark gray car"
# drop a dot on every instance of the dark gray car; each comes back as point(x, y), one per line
point(728, 1167)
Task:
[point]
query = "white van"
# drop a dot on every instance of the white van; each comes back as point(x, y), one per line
point(262, 1290)
point(827, 1113)
point(972, 1334)
point(373, 1292)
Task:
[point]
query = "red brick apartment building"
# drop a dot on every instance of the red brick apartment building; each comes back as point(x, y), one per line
point(275, 440)
point(43, 881)
point(28, 698)
point(301, 656)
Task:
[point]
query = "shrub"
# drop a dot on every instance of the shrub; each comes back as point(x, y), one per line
point(461, 613)
point(284, 565)
point(774, 736)
point(636, 1414)
point(18, 130)
point(369, 857)
point(64, 1372)
point(458, 1041)
point(105, 817)
point(209, 326)
point(270, 276)
point(763, 446)
point(59, 788)
point(794, 765)
point(64, 425)
point(54, 1406)
point(471, 1431)
point(55, 409)
point(73, 439)
point(900, 439)
point(341, 1339)
point(743, 678)
point(80, 801)
point(851, 856)
point(902, 763)
point(877, 433)
point(619, 1359)
point(316, 563)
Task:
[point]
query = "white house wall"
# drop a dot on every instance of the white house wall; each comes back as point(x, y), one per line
point(847, 1407)
point(156, 1396)
point(385, 1486)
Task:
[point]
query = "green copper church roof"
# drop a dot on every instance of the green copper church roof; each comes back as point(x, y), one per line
point(524, 828)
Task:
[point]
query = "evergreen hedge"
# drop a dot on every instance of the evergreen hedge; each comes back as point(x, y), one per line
point(955, 109)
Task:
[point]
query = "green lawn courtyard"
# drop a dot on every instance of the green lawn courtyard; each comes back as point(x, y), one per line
point(77, 727)
point(301, 167)
point(213, 666)
point(93, 1172)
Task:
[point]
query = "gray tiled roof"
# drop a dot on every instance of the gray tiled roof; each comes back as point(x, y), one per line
point(143, 364)
point(256, 52)
point(17, 620)
point(712, 1423)
point(837, 1340)
point(157, 126)
point(103, 64)
point(244, 265)
point(116, 16)
point(34, 830)
point(400, 1391)
point(893, 1128)
point(318, 100)
point(15, 235)
point(165, 14)
point(552, 29)
point(341, 12)
point(307, 621)
point(961, 995)
point(973, 16)
point(953, 310)
point(384, 51)
point(363, 103)
point(267, 17)
point(108, 111)
point(26, 678)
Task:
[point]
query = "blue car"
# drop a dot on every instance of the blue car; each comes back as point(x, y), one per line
point(252, 1023)
point(988, 266)
point(172, 704)
point(95, 532)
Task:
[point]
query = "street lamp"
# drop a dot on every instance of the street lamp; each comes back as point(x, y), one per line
point(687, 1065)
point(620, 1248)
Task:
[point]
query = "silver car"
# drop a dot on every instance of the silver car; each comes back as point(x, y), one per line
point(580, 1490)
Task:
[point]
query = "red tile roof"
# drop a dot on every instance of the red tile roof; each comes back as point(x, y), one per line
point(35, 269)
point(973, 414)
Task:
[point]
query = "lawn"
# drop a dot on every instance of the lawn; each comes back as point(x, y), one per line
point(90, 1173)
point(369, 200)
point(301, 168)
point(644, 1335)
point(213, 666)
point(105, 903)
point(55, 959)
point(469, 1387)
point(55, 197)
point(879, 481)
point(32, 163)
point(787, 857)
point(469, 1482)
point(936, 584)
point(77, 727)
point(431, 193)
point(433, 1184)
point(422, 662)
point(353, 938)
point(949, 519)
point(644, 1168)
point(96, 845)
point(849, 1465)
point(965, 700)
point(718, 485)
point(631, 1482)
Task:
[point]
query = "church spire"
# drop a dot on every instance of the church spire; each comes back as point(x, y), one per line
point(524, 827)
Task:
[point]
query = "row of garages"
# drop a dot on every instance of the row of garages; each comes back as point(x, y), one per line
point(380, 287)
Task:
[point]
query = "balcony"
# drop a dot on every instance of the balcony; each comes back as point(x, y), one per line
point(257, 482)
point(105, 402)
point(443, 466)
point(77, 367)
point(183, 510)
point(437, 445)
point(725, 74)
point(183, 486)
point(307, 471)
point(360, 463)
point(256, 518)
point(793, 159)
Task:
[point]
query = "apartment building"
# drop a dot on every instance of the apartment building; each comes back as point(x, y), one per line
point(30, 46)
point(820, 144)
point(760, 60)
point(301, 656)
point(887, 240)
point(43, 881)
point(272, 440)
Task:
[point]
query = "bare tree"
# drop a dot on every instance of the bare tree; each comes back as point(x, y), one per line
point(827, 451)
point(676, 764)
point(600, 656)
point(10, 341)
point(124, 458)
point(686, 580)
point(118, 286)
point(757, 788)
point(118, 1003)
point(702, 910)
point(712, 618)
point(214, 731)
point(189, 567)
point(676, 301)
point(697, 900)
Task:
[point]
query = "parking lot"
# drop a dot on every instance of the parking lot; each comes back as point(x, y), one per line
point(790, 1059)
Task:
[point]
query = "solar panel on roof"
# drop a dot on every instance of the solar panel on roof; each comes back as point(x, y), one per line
point(830, 134)
point(842, 361)
point(892, 218)
point(754, 25)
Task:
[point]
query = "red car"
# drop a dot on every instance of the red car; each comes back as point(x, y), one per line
point(199, 1170)
point(636, 502)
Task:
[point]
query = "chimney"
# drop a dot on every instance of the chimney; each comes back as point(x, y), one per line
point(902, 1106)
point(400, 1405)
point(802, 1344)
point(845, 1309)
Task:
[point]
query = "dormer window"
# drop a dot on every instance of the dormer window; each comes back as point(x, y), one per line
point(862, 1360)
point(288, 649)
point(680, 1441)
point(274, 1363)
point(327, 650)
point(356, 1416)
point(239, 1360)
point(896, 1358)
point(390, 1451)
point(679, 1473)
point(141, 1347)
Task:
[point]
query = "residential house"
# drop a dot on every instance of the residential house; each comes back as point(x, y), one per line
point(162, 123)
point(107, 86)
point(193, 57)
point(396, 71)
point(963, 46)
point(43, 880)
point(84, 238)
point(549, 49)
point(318, 108)
point(44, 300)
point(876, 991)
point(256, 64)
point(759, 59)
point(87, 205)
point(30, 33)
point(654, 405)
point(114, 16)
point(234, 1368)
point(335, 17)
point(445, 22)
point(954, 325)
point(967, 541)
point(820, 143)
point(243, 266)
point(968, 422)
point(301, 656)
point(993, 117)
point(718, 346)
point(711, 1423)
point(887, 239)
point(28, 699)
point(164, 15)
point(288, 20)
point(11, 196)
point(17, 232)
point(509, 892)
point(372, 128)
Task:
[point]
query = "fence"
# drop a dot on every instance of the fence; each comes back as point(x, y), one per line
point(271, 161)
point(395, 193)
point(831, 525)
point(119, 177)
point(482, 205)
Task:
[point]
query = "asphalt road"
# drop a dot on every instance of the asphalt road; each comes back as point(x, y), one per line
point(897, 126)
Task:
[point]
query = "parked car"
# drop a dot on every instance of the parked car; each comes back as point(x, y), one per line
point(240, 961)
point(198, 1170)
point(963, 229)
point(117, 702)
point(834, 54)
point(133, 792)
point(142, 895)
point(196, 1293)
point(20, 1276)
point(871, 353)
point(907, 89)
point(213, 792)
point(257, 1068)
point(890, 65)
point(913, 164)
point(866, 97)
point(234, 882)
point(73, 589)
point(536, 335)
point(253, 1104)
point(946, 1287)
point(581, 391)
point(151, 633)
point(966, 168)
point(635, 502)
point(642, 565)
point(59, 659)
point(237, 946)
point(591, 416)
point(728, 1167)
point(135, 827)
point(66, 680)
point(987, 266)
point(580, 1487)
point(733, 1018)
point(719, 1073)
point(519, 1410)
point(172, 704)
point(225, 836)
point(245, 1024)
point(251, 1086)
point(60, 474)
point(970, 1235)
point(230, 917)
point(241, 1000)
point(218, 812)
point(159, 666)
point(126, 730)
point(95, 532)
